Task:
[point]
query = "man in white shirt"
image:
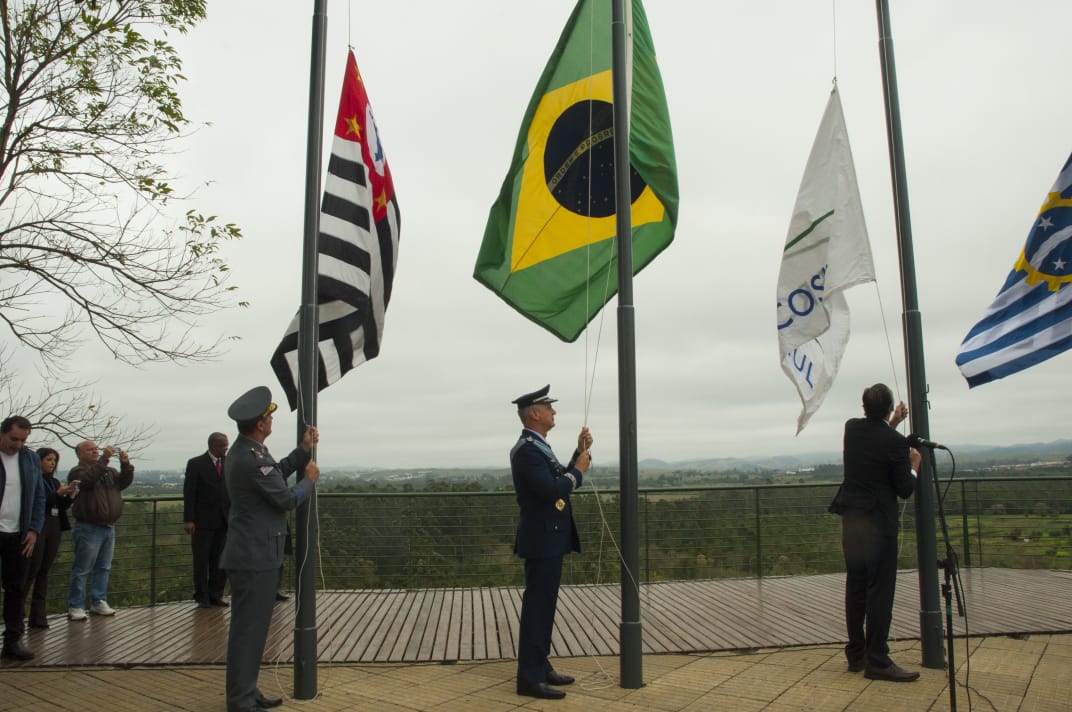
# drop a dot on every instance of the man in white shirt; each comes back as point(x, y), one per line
point(22, 515)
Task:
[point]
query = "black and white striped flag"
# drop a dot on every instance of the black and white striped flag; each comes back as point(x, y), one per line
point(358, 247)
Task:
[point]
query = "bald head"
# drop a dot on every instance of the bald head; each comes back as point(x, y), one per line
point(86, 452)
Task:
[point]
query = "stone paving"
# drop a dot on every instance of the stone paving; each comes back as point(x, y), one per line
point(1028, 673)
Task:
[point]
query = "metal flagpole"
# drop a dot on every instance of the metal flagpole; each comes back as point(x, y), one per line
point(930, 615)
point(305, 551)
point(630, 660)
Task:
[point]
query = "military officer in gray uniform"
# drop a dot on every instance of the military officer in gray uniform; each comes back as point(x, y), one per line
point(545, 533)
point(257, 525)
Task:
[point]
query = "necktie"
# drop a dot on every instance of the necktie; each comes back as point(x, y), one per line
point(219, 467)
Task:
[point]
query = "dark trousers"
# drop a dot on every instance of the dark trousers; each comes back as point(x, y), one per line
point(44, 554)
point(538, 604)
point(252, 598)
point(871, 577)
point(13, 566)
point(209, 579)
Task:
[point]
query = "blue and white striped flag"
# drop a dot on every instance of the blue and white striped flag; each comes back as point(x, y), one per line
point(1031, 317)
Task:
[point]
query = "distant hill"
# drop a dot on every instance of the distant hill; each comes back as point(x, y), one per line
point(965, 455)
point(744, 464)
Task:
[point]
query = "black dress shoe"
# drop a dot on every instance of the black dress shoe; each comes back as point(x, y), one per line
point(557, 678)
point(891, 673)
point(38, 624)
point(280, 596)
point(858, 665)
point(266, 703)
point(222, 603)
point(541, 690)
point(17, 650)
point(203, 603)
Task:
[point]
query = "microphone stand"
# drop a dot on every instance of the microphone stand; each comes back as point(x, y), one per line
point(951, 566)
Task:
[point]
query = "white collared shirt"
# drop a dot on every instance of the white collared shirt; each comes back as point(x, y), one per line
point(11, 506)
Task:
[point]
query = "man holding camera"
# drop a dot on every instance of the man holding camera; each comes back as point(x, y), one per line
point(97, 507)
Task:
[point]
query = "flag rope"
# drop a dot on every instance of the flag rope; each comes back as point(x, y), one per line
point(889, 344)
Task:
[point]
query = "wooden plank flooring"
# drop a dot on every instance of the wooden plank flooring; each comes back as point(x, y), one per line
point(481, 623)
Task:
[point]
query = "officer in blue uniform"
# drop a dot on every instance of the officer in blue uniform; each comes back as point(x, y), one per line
point(257, 526)
point(545, 533)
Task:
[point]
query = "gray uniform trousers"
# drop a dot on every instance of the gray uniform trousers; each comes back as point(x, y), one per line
point(252, 599)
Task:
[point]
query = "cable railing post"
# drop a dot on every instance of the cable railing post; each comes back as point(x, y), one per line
point(964, 521)
point(647, 542)
point(979, 523)
point(152, 559)
point(759, 537)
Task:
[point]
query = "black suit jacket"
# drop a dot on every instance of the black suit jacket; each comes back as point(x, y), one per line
point(205, 501)
point(544, 530)
point(877, 471)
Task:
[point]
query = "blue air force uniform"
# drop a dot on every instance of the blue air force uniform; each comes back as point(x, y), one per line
point(546, 532)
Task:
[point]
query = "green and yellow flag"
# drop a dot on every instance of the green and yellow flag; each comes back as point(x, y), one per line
point(548, 248)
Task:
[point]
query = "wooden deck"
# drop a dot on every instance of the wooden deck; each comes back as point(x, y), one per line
point(481, 623)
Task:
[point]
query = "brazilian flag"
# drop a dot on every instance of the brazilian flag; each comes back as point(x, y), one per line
point(548, 248)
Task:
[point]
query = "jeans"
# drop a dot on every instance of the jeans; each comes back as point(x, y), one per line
point(93, 548)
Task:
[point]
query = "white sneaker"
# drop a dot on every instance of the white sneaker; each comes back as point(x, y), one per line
point(101, 608)
point(76, 614)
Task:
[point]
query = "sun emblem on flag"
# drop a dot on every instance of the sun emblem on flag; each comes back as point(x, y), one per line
point(1047, 256)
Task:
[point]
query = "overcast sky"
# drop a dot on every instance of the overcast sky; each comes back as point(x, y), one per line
point(986, 115)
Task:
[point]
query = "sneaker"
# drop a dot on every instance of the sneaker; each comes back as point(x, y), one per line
point(101, 608)
point(76, 614)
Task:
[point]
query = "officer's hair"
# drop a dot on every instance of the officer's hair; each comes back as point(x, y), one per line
point(246, 427)
point(216, 438)
point(878, 401)
point(523, 413)
point(14, 421)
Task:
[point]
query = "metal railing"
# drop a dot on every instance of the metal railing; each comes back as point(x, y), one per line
point(465, 539)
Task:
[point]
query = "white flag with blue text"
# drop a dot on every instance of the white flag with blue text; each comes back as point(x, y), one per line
point(1031, 317)
point(826, 252)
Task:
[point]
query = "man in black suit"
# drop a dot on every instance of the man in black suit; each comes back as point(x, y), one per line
point(545, 533)
point(879, 468)
point(205, 507)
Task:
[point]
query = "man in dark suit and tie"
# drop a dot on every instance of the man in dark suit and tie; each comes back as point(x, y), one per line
point(205, 507)
point(879, 467)
point(260, 500)
point(545, 533)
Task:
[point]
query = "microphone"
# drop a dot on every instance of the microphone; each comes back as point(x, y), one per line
point(918, 442)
